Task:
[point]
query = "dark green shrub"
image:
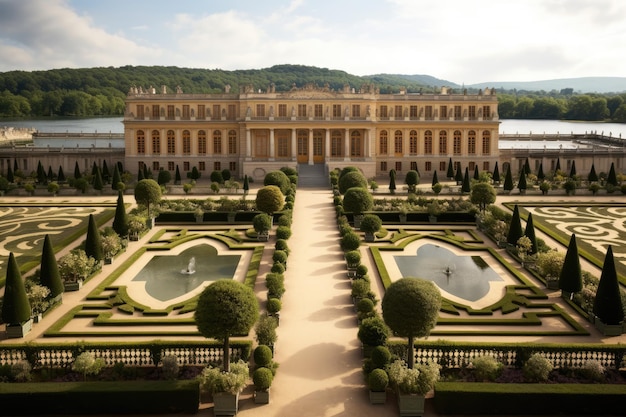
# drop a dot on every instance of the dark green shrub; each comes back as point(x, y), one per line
point(381, 356)
point(278, 268)
point(262, 355)
point(537, 368)
point(283, 232)
point(285, 220)
point(350, 241)
point(345, 229)
point(216, 176)
point(361, 271)
point(289, 171)
point(365, 305)
point(378, 380)
point(93, 241)
point(262, 222)
point(357, 200)
point(360, 288)
point(273, 305)
point(275, 284)
point(279, 179)
point(486, 368)
point(373, 331)
point(353, 258)
point(262, 378)
point(280, 256)
point(281, 244)
point(346, 170)
point(266, 330)
point(371, 223)
point(352, 180)
point(269, 199)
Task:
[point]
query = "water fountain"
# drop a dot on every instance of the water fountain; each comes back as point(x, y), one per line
point(191, 267)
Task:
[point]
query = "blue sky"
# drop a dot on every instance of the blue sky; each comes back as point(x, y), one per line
point(458, 40)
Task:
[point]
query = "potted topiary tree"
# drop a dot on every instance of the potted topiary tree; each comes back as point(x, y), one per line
point(262, 224)
point(225, 387)
point(148, 192)
point(370, 224)
point(16, 309)
point(265, 331)
point(357, 200)
point(273, 308)
point(262, 378)
point(412, 385)
point(608, 310)
point(377, 381)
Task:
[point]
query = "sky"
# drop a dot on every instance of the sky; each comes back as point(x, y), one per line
point(462, 41)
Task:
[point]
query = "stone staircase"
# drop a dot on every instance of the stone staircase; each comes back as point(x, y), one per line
point(312, 176)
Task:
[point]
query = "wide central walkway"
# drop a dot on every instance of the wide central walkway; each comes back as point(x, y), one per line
point(317, 349)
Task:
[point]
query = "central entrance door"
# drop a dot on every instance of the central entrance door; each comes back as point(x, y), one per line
point(303, 146)
point(318, 147)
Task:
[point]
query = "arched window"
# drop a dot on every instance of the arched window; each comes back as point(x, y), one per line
point(202, 142)
point(413, 142)
point(471, 142)
point(232, 142)
point(171, 142)
point(443, 142)
point(397, 142)
point(217, 142)
point(336, 143)
point(486, 142)
point(186, 142)
point(156, 142)
point(355, 143)
point(383, 147)
point(457, 142)
point(428, 142)
point(141, 142)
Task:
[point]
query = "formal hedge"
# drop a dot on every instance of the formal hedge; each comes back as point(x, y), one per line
point(115, 397)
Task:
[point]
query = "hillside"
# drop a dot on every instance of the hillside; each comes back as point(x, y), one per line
point(580, 85)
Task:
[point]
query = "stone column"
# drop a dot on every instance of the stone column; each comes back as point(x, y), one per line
point(271, 144)
point(346, 146)
point(310, 146)
point(248, 144)
point(327, 145)
point(294, 147)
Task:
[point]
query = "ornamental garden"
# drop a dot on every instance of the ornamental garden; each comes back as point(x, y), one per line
point(452, 264)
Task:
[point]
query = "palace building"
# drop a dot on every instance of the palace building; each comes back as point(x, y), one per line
point(254, 132)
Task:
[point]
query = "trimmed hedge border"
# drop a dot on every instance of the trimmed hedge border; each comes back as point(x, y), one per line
point(116, 397)
point(544, 399)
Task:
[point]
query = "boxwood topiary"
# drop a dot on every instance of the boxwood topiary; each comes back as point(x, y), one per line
point(278, 268)
point(378, 380)
point(373, 331)
point(283, 232)
point(262, 378)
point(280, 256)
point(281, 244)
point(381, 356)
point(274, 305)
point(350, 241)
point(262, 355)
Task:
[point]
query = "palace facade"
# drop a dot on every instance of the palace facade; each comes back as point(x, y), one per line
point(254, 132)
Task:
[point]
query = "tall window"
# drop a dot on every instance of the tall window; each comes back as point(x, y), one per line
point(471, 142)
point(282, 110)
point(413, 112)
point(232, 166)
point(457, 142)
point(186, 114)
point(155, 165)
point(428, 110)
point(336, 110)
point(232, 112)
point(442, 166)
point(186, 166)
point(356, 110)
point(156, 142)
point(428, 142)
point(486, 142)
point(303, 142)
point(336, 143)
point(232, 142)
point(383, 111)
point(486, 166)
point(472, 112)
point(457, 112)
point(443, 112)
point(283, 145)
point(398, 166)
point(486, 112)
point(318, 143)
point(383, 147)
point(201, 112)
point(355, 144)
point(443, 142)
point(217, 166)
point(156, 112)
point(319, 111)
point(217, 142)
point(413, 142)
point(260, 110)
point(301, 110)
point(140, 113)
point(397, 142)
point(383, 166)
point(171, 142)
point(217, 111)
point(397, 113)
point(171, 166)
point(201, 142)
point(413, 166)
point(201, 166)
point(186, 142)
point(170, 112)
point(428, 166)
point(141, 142)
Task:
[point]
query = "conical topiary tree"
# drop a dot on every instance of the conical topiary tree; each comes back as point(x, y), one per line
point(527, 170)
point(106, 175)
point(450, 172)
point(117, 178)
point(98, 183)
point(521, 184)
point(540, 175)
point(466, 188)
point(476, 173)
point(49, 275)
point(10, 176)
point(572, 171)
point(592, 177)
point(61, 174)
point(435, 179)
point(392, 181)
point(612, 178)
point(458, 177)
point(93, 241)
point(15, 305)
point(177, 178)
point(508, 180)
point(570, 279)
point(558, 165)
point(496, 174)
point(515, 228)
point(529, 232)
point(77, 173)
point(607, 305)
point(246, 184)
point(120, 222)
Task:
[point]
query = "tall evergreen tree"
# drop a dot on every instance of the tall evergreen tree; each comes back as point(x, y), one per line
point(120, 222)
point(177, 178)
point(41, 174)
point(572, 171)
point(570, 279)
point(612, 178)
point(508, 180)
point(10, 176)
point(466, 188)
point(540, 175)
point(607, 305)
point(98, 183)
point(94, 169)
point(392, 181)
point(529, 232)
point(141, 175)
point(527, 170)
point(476, 173)
point(558, 165)
point(246, 184)
point(93, 241)
point(435, 179)
point(117, 178)
point(50, 174)
point(450, 173)
point(458, 177)
point(77, 173)
point(592, 177)
point(15, 305)
point(15, 167)
point(61, 174)
point(49, 269)
point(106, 175)
point(146, 172)
point(515, 228)
point(496, 174)
point(521, 184)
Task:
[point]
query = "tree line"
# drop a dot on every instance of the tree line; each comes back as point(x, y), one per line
point(101, 91)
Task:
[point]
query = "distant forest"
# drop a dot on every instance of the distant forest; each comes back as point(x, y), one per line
point(101, 91)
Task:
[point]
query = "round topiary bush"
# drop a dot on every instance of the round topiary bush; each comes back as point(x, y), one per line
point(278, 268)
point(360, 288)
point(361, 271)
point(262, 222)
point(537, 368)
point(283, 232)
point(357, 200)
point(275, 284)
point(373, 331)
point(378, 380)
point(350, 241)
point(381, 356)
point(262, 378)
point(365, 305)
point(353, 258)
point(279, 179)
point(273, 305)
point(279, 256)
point(262, 355)
point(486, 368)
point(351, 180)
point(269, 199)
point(285, 219)
point(281, 244)
point(371, 223)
